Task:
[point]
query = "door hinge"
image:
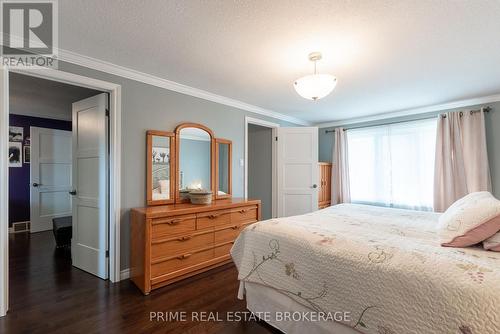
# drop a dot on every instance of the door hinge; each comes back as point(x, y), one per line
point(107, 253)
point(107, 112)
point(276, 138)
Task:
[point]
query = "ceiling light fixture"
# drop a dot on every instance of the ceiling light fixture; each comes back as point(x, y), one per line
point(315, 86)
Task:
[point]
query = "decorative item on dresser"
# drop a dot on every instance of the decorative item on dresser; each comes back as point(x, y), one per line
point(325, 188)
point(172, 239)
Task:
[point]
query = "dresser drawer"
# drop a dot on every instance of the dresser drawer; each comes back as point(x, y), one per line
point(161, 227)
point(223, 250)
point(180, 262)
point(183, 244)
point(246, 214)
point(213, 218)
point(227, 234)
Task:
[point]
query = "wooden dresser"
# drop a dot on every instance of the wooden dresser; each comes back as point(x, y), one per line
point(172, 242)
point(325, 185)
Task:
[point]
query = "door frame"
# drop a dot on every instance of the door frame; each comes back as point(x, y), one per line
point(274, 186)
point(114, 91)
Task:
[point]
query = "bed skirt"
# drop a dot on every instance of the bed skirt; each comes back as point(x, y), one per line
point(275, 308)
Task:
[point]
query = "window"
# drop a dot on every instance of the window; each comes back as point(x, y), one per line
point(393, 165)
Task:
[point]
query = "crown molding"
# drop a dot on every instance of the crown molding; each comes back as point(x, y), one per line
point(125, 72)
point(415, 111)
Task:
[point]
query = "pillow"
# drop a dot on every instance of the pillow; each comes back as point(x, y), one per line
point(493, 243)
point(470, 220)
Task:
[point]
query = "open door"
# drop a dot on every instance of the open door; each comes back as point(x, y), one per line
point(50, 176)
point(297, 168)
point(89, 245)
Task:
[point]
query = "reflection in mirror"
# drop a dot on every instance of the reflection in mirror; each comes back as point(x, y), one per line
point(160, 171)
point(194, 159)
point(223, 163)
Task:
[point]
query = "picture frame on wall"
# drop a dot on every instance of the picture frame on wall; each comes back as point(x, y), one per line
point(16, 134)
point(27, 154)
point(15, 154)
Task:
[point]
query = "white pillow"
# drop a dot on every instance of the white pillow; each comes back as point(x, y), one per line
point(493, 243)
point(470, 220)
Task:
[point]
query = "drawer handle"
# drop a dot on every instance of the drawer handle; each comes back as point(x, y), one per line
point(185, 238)
point(243, 211)
point(174, 222)
point(183, 257)
point(213, 216)
point(235, 227)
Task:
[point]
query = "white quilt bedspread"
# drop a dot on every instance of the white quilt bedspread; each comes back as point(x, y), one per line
point(384, 266)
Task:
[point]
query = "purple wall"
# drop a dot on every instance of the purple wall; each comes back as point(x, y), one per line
point(19, 178)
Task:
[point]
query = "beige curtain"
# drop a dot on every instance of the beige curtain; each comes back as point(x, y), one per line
point(340, 172)
point(461, 164)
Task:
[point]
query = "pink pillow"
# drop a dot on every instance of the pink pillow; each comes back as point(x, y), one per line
point(470, 220)
point(493, 243)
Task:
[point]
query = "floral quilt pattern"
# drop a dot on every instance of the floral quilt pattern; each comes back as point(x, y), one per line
point(384, 266)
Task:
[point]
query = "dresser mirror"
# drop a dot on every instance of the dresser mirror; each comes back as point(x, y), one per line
point(187, 163)
point(223, 152)
point(160, 167)
point(195, 164)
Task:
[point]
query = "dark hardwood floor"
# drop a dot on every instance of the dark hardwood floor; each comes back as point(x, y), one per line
point(48, 295)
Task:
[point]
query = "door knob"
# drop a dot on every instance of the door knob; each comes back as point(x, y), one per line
point(36, 184)
point(72, 192)
point(315, 186)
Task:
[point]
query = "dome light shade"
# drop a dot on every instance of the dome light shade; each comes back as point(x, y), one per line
point(315, 86)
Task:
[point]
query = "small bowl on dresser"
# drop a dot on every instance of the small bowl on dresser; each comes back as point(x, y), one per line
point(184, 193)
point(200, 197)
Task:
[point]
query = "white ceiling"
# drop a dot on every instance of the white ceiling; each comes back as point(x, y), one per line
point(387, 55)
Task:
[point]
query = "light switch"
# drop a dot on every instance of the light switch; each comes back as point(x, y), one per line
point(242, 162)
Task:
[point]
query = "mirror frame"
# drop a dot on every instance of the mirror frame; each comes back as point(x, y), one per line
point(178, 153)
point(229, 169)
point(149, 167)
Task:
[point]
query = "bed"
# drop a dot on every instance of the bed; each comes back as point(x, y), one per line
point(382, 268)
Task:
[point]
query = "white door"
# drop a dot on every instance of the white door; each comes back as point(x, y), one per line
point(90, 186)
point(297, 167)
point(50, 176)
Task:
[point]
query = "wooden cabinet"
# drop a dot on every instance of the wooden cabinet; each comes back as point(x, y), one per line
point(172, 242)
point(325, 185)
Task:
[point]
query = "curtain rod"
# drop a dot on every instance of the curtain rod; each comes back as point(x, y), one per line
point(485, 109)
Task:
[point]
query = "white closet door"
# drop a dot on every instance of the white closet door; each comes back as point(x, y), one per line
point(90, 186)
point(50, 176)
point(297, 166)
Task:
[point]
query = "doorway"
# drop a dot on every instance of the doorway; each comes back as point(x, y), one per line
point(49, 138)
point(260, 164)
point(91, 115)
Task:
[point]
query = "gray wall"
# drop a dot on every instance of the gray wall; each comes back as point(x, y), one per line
point(30, 96)
point(260, 166)
point(492, 136)
point(148, 107)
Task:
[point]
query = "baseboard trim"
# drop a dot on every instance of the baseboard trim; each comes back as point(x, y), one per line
point(125, 274)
